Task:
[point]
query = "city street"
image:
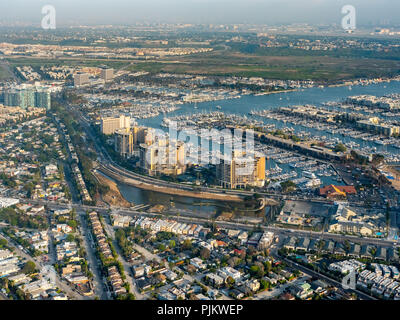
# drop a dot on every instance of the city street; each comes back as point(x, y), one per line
point(127, 267)
point(93, 262)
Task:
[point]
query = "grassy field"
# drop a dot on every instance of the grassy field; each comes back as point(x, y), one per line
point(4, 73)
point(319, 68)
point(36, 62)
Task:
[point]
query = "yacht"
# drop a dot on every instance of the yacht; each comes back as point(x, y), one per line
point(313, 183)
point(309, 174)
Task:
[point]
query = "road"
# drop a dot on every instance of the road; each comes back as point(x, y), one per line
point(127, 267)
point(93, 262)
point(146, 253)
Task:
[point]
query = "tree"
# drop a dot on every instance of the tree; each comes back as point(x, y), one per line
point(373, 251)
point(230, 281)
point(205, 253)
point(73, 224)
point(254, 270)
point(130, 296)
point(296, 273)
point(288, 186)
point(187, 244)
point(265, 284)
point(268, 266)
point(191, 269)
point(340, 148)
point(29, 267)
point(260, 271)
point(377, 159)
point(172, 244)
point(295, 138)
point(3, 243)
point(257, 269)
point(233, 261)
point(320, 245)
point(29, 187)
point(347, 246)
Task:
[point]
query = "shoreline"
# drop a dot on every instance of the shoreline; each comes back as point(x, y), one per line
point(114, 195)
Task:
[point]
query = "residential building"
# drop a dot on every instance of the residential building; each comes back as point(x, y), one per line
point(163, 157)
point(107, 74)
point(241, 170)
point(123, 141)
point(110, 124)
point(81, 79)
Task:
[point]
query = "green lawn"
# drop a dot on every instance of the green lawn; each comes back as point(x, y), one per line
point(34, 62)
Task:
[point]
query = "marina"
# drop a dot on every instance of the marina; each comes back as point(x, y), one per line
point(281, 164)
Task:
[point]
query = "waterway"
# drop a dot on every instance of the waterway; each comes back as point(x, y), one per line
point(177, 204)
point(313, 96)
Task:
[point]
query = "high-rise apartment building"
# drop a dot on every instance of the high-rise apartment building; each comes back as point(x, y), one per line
point(124, 142)
point(163, 157)
point(81, 79)
point(240, 171)
point(107, 74)
point(26, 96)
point(110, 124)
point(143, 135)
point(43, 98)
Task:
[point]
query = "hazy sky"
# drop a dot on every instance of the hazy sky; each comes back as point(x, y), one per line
point(88, 12)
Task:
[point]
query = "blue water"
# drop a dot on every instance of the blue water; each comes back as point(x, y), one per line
point(314, 96)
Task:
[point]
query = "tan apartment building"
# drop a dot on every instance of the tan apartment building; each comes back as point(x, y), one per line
point(111, 124)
